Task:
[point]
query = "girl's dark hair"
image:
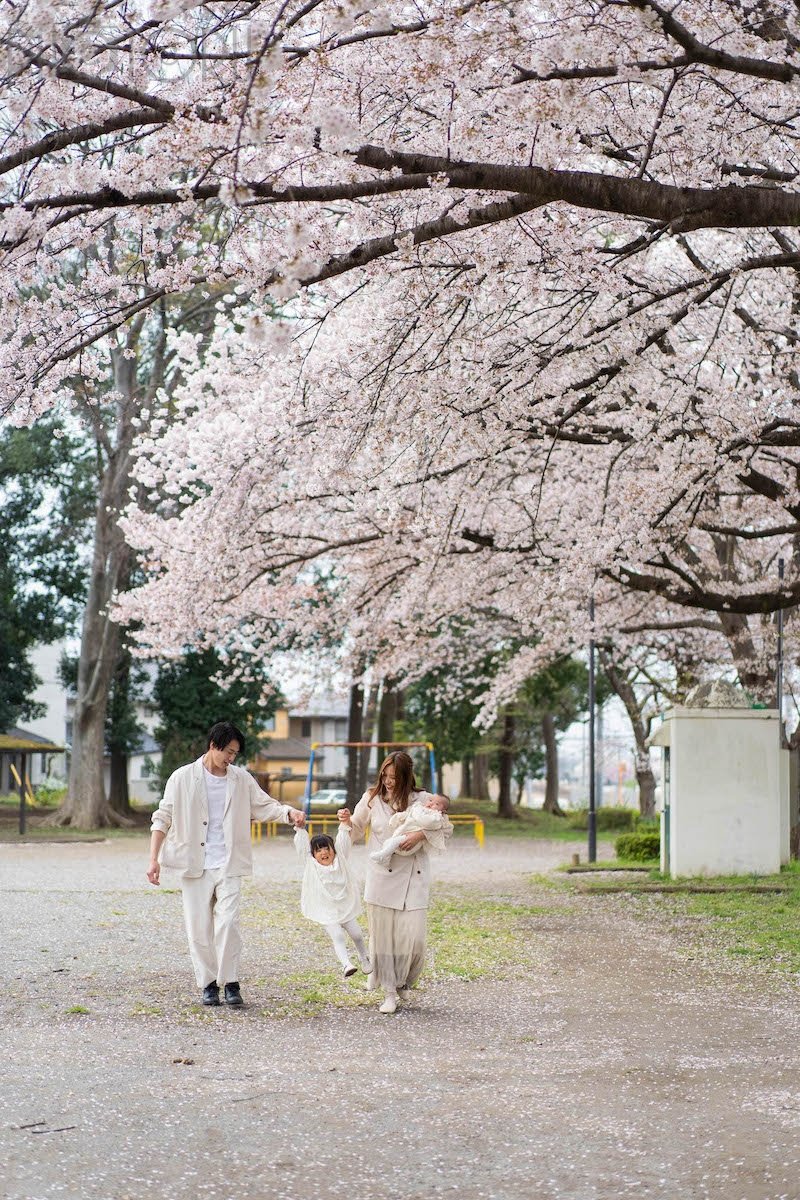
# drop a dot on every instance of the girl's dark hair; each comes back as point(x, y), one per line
point(404, 781)
point(223, 733)
point(320, 841)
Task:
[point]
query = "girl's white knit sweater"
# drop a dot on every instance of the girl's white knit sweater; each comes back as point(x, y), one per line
point(328, 895)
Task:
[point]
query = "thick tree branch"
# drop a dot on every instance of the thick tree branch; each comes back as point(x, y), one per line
point(720, 60)
point(753, 603)
point(679, 208)
point(474, 218)
point(58, 139)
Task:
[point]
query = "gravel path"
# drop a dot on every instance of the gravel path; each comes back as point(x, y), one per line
point(609, 1056)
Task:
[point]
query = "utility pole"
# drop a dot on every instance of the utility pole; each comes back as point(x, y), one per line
point(779, 671)
point(592, 819)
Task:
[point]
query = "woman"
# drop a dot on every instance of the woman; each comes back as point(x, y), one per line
point(396, 893)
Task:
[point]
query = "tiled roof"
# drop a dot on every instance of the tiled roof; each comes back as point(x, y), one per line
point(289, 747)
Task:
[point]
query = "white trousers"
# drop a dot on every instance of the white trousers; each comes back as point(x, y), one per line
point(211, 912)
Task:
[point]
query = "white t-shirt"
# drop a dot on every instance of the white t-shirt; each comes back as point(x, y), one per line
point(216, 788)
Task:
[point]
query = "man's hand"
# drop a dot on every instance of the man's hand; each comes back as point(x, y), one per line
point(154, 872)
point(297, 817)
point(344, 816)
point(412, 840)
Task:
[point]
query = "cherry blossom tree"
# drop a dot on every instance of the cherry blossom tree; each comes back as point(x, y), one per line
point(121, 376)
point(323, 138)
point(537, 269)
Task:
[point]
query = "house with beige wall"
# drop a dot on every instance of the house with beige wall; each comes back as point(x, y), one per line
point(281, 764)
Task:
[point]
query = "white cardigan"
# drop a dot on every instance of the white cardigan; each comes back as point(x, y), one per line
point(405, 882)
point(183, 816)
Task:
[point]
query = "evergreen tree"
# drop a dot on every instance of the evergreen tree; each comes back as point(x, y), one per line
point(45, 503)
point(189, 700)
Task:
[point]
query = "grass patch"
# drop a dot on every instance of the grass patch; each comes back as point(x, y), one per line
point(467, 939)
point(308, 993)
point(761, 927)
point(79, 1008)
point(526, 822)
point(472, 938)
point(550, 883)
point(142, 1009)
point(753, 918)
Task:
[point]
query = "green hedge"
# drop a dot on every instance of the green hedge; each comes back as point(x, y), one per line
point(641, 846)
point(606, 818)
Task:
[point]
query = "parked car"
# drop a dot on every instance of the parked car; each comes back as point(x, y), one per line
point(329, 798)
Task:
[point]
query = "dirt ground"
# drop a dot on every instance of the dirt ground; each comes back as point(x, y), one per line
point(613, 1053)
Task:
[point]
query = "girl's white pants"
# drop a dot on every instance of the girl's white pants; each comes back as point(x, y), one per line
point(336, 934)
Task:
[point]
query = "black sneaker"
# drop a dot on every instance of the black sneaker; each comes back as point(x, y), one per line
point(211, 994)
point(233, 996)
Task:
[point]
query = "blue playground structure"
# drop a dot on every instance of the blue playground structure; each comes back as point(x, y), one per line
point(380, 745)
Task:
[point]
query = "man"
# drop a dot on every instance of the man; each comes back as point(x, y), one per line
point(202, 829)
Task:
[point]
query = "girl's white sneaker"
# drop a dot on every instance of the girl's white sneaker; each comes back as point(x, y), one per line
point(389, 1005)
point(405, 993)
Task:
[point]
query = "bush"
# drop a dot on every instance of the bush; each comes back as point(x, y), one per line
point(606, 818)
point(641, 846)
point(50, 791)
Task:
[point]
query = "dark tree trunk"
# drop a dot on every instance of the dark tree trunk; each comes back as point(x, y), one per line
point(640, 725)
point(118, 795)
point(466, 778)
point(551, 803)
point(505, 805)
point(756, 680)
point(647, 786)
point(387, 713)
point(86, 805)
point(480, 777)
point(354, 732)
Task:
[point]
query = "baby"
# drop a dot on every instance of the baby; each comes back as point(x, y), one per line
point(329, 894)
point(430, 816)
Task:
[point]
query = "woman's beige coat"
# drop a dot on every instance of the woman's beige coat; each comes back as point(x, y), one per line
point(406, 881)
point(183, 816)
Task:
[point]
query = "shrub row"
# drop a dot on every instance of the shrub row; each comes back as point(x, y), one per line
point(606, 818)
point(641, 846)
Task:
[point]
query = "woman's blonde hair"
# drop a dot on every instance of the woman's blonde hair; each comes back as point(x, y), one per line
point(404, 781)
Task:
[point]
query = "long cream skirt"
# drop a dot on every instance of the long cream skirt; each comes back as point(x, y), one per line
point(397, 945)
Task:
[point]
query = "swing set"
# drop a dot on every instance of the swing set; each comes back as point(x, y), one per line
point(307, 798)
point(324, 819)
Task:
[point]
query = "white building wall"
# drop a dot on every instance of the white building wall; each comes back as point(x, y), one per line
point(728, 792)
point(53, 724)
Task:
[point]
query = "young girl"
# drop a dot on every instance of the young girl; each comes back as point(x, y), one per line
point(329, 894)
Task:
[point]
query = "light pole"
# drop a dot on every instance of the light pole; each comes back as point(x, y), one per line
point(779, 671)
point(592, 819)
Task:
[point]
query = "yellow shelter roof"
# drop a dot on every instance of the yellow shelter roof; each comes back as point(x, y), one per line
point(20, 741)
